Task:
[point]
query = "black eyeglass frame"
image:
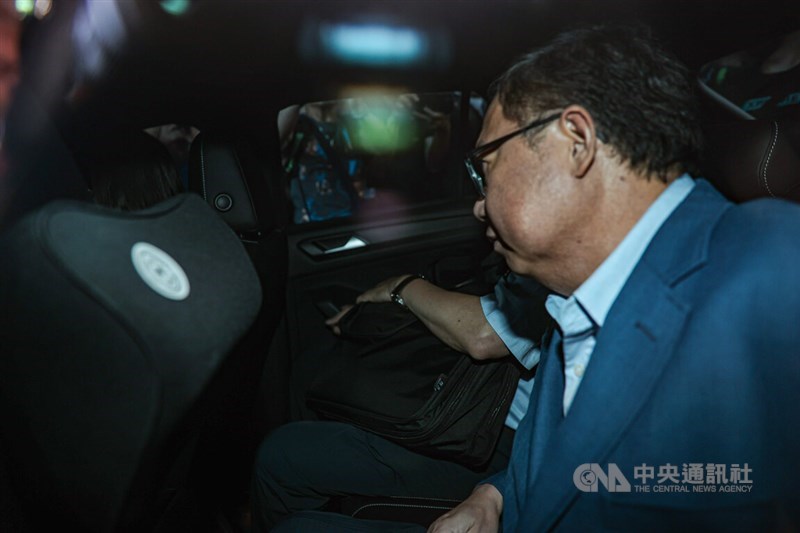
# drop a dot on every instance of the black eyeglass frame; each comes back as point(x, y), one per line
point(473, 158)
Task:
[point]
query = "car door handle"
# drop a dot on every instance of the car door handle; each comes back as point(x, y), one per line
point(335, 245)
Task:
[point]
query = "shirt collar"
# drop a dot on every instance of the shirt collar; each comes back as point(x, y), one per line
point(591, 302)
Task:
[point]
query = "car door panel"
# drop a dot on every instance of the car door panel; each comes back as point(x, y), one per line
point(448, 244)
point(321, 283)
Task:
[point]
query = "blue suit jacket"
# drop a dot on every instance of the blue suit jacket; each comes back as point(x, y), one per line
point(698, 362)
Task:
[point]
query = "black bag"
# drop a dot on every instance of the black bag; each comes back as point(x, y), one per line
point(391, 376)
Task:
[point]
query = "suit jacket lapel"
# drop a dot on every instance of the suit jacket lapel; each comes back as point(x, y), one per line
point(633, 348)
point(641, 343)
point(548, 403)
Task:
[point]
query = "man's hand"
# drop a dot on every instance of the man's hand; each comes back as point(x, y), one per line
point(333, 322)
point(480, 513)
point(382, 292)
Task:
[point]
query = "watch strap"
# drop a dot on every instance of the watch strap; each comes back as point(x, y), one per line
point(395, 294)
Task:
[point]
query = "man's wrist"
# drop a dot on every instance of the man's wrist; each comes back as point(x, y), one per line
point(489, 494)
point(396, 294)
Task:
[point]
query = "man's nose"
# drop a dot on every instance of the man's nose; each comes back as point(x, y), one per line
point(479, 209)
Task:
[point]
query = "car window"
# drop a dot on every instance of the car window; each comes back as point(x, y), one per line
point(761, 82)
point(374, 155)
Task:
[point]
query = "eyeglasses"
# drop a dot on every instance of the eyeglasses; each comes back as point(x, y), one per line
point(474, 159)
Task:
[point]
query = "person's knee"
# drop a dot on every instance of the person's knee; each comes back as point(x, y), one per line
point(275, 456)
point(305, 451)
point(274, 476)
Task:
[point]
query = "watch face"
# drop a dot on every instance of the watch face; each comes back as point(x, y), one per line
point(395, 294)
point(396, 298)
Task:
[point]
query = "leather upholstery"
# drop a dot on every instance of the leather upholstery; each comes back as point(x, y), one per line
point(422, 511)
point(750, 159)
point(229, 172)
point(217, 174)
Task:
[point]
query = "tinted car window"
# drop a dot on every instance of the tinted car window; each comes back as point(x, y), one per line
point(361, 156)
point(763, 82)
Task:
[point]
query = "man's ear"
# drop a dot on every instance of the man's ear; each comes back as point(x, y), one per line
point(577, 125)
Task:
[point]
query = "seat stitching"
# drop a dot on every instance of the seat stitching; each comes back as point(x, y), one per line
point(429, 499)
point(203, 168)
point(769, 156)
point(244, 182)
point(400, 505)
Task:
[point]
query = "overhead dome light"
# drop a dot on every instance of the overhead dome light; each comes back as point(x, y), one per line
point(373, 44)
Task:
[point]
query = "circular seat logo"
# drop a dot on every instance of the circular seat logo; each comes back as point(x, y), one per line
point(160, 271)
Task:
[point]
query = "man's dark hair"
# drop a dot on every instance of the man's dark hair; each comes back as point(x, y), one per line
point(640, 96)
point(133, 171)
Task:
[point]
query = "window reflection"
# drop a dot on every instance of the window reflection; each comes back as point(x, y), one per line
point(763, 82)
point(377, 154)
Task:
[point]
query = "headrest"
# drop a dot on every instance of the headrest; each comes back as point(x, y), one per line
point(750, 159)
point(218, 172)
point(113, 325)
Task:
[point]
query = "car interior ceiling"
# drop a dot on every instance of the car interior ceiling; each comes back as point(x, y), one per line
point(241, 86)
point(161, 73)
point(190, 79)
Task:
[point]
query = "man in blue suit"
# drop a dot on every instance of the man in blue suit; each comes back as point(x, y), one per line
point(668, 394)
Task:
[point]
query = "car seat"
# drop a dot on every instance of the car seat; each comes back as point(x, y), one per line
point(750, 159)
point(227, 172)
point(115, 328)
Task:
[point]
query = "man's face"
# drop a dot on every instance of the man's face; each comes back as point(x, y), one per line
point(530, 205)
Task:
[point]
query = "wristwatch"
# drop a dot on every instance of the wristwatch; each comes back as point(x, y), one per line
point(395, 294)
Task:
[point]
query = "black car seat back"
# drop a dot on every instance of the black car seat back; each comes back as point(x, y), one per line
point(750, 159)
point(227, 172)
point(229, 175)
point(230, 172)
point(114, 324)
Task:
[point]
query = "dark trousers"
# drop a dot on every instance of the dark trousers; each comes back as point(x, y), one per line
point(301, 465)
